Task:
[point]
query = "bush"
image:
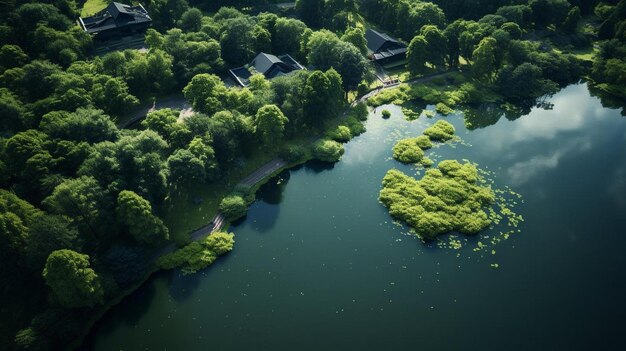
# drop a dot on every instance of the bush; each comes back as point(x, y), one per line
point(233, 207)
point(199, 254)
point(441, 131)
point(396, 96)
point(342, 134)
point(386, 114)
point(356, 126)
point(328, 151)
point(292, 154)
point(360, 112)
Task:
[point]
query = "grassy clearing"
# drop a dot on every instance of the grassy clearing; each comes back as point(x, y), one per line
point(93, 6)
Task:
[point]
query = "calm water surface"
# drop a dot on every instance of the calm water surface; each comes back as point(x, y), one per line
point(318, 264)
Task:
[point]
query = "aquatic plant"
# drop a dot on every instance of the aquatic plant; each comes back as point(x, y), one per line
point(449, 198)
point(386, 114)
point(440, 131)
point(396, 96)
point(408, 151)
point(410, 114)
point(443, 109)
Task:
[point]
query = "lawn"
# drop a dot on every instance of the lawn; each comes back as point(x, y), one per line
point(93, 6)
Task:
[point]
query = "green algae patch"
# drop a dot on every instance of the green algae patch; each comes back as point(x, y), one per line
point(410, 114)
point(396, 96)
point(411, 150)
point(408, 151)
point(443, 109)
point(440, 131)
point(449, 198)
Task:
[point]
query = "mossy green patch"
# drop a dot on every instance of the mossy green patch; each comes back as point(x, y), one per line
point(449, 198)
point(440, 131)
point(410, 115)
point(443, 109)
point(408, 151)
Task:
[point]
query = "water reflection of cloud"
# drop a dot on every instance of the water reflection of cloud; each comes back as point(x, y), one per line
point(573, 110)
point(521, 172)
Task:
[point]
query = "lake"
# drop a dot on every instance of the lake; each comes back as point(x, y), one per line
point(319, 264)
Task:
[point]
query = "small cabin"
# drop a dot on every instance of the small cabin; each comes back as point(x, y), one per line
point(384, 49)
point(116, 20)
point(271, 66)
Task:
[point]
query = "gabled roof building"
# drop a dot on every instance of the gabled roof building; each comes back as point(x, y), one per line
point(271, 66)
point(384, 49)
point(116, 20)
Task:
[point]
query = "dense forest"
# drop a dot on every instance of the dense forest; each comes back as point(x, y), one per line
point(84, 201)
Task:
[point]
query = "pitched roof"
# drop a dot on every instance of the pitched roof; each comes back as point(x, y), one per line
point(263, 62)
point(376, 40)
point(271, 66)
point(115, 15)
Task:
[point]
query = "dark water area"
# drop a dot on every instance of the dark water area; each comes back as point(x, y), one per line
point(319, 264)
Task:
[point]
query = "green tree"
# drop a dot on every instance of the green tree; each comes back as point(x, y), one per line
point(83, 200)
point(571, 22)
point(270, 125)
point(48, 233)
point(484, 57)
point(135, 212)
point(185, 168)
point(206, 92)
point(287, 35)
point(12, 56)
point(311, 12)
point(73, 282)
point(203, 151)
point(436, 49)
point(356, 37)
point(238, 41)
point(417, 55)
point(191, 20)
point(233, 207)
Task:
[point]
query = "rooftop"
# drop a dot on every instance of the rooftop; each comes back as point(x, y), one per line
point(271, 66)
point(115, 15)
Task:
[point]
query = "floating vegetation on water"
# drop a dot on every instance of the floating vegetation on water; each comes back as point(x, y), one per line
point(440, 131)
point(410, 115)
point(426, 162)
point(454, 197)
point(408, 150)
point(429, 113)
point(443, 109)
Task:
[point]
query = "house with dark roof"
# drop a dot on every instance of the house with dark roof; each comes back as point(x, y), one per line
point(384, 49)
point(271, 66)
point(116, 20)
